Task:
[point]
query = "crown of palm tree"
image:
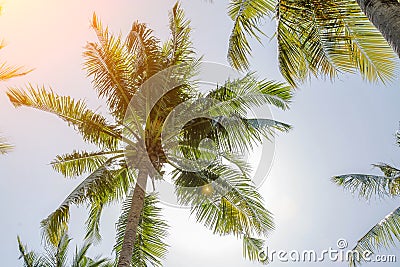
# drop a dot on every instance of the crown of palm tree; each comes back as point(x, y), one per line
point(228, 202)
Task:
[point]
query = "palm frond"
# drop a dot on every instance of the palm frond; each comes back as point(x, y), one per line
point(383, 234)
point(4, 146)
point(368, 186)
point(324, 38)
point(231, 205)
point(228, 125)
point(150, 247)
point(226, 202)
point(180, 48)
point(99, 185)
point(31, 259)
point(146, 49)
point(93, 127)
point(246, 15)
point(253, 249)
point(123, 180)
point(8, 72)
point(80, 162)
point(248, 92)
point(111, 67)
point(93, 222)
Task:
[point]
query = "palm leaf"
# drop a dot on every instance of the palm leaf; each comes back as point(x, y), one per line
point(246, 15)
point(368, 186)
point(93, 127)
point(179, 49)
point(111, 67)
point(327, 38)
point(382, 234)
point(150, 247)
point(253, 249)
point(226, 202)
point(231, 206)
point(102, 184)
point(8, 72)
point(4, 146)
point(31, 259)
point(78, 163)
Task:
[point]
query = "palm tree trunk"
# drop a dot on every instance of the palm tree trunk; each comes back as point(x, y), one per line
point(132, 223)
point(385, 15)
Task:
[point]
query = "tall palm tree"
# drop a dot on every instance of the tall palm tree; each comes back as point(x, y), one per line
point(57, 256)
point(387, 231)
point(315, 38)
point(221, 196)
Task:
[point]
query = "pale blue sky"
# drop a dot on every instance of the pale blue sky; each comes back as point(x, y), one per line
point(339, 128)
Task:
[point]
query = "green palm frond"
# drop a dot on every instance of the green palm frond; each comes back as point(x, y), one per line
point(227, 203)
point(92, 126)
point(180, 48)
point(150, 247)
point(247, 16)
point(4, 146)
point(102, 184)
point(383, 234)
point(225, 200)
point(387, 170)
point(123, 180)
point(111, 66)
point(368, 186)
point(248, 92)
point(56, 255)
point(93, 222)
point(77, 163)
point(146, 49)
point(31, 259)
point(325, 38)
point(230, 129)
point(253, 249)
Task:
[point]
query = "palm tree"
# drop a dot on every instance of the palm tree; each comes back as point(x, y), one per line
point(315, 38)
point(384, 233)
point(221, 196)
point(57, 256)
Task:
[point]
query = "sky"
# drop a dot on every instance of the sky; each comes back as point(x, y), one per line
point(338, 128)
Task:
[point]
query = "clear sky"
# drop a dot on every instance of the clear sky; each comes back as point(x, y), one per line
point(339, 128)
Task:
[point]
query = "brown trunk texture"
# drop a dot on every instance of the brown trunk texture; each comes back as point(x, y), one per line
point(135, 211)
point(385, 15)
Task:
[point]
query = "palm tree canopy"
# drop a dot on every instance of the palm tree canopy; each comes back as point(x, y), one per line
point(221, 196)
